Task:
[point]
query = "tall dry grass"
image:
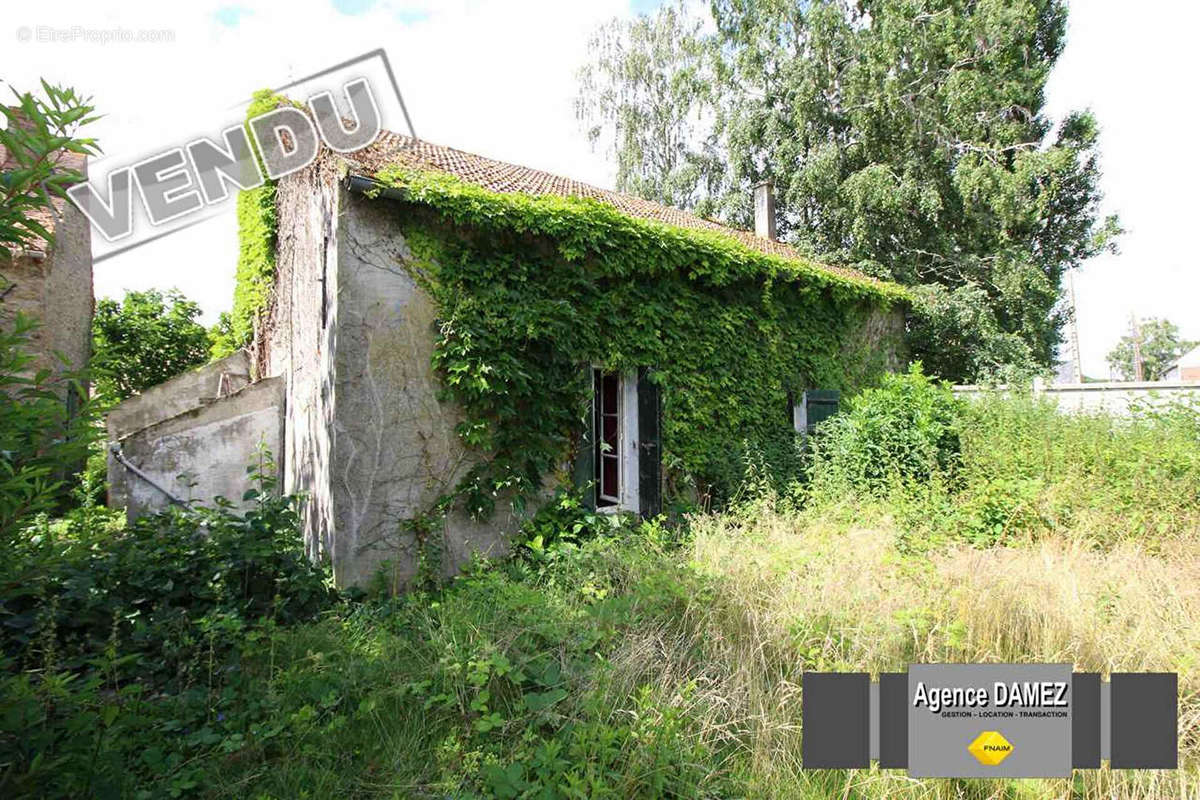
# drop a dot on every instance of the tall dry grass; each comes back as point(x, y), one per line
point(782, 593)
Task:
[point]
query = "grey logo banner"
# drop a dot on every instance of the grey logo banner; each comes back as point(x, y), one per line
point(990, 720)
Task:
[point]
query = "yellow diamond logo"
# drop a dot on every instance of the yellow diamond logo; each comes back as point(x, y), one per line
point(990, 748)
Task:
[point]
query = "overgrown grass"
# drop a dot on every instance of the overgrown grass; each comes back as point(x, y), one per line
point(627, 666)
point(1010, 467)
point(615, 661)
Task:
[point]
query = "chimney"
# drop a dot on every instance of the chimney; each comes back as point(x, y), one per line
point(764, 210)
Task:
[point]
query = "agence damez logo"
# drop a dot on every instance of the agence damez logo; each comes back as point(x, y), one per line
point(990, 720)
point(185, 179)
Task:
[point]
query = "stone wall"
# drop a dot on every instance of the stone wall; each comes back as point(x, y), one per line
point(55, 288)
point(193, 437)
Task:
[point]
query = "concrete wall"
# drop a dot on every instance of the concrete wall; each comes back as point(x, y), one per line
point(297, 341)
point(191, 390)
point(1113, 397)
point(395, 450)
point(193, 436)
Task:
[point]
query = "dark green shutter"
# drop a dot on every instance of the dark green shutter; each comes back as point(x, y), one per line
point(649, 445)
point(583, 471)
point(819, 405)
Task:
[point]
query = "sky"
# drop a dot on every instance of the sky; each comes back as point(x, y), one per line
point(498, 78)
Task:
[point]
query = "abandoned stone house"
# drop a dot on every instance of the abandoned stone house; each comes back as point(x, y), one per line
point(342, 380)
point(51, 282)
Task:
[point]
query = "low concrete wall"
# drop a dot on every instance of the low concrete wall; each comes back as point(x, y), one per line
point(1115, 397)
point(197, 453)
point(191, 390)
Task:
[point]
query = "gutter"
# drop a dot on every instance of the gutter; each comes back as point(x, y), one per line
point(363, 185)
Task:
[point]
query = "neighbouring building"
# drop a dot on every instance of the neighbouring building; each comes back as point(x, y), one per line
point(449, 337)
point(1187, 368)
point(52, 282)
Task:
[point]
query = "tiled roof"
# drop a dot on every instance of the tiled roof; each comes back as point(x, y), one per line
point(45, 216)
point(392, 149)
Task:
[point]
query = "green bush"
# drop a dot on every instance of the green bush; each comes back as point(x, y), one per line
point(45, 431)
point(907, 428)
point(1007, 465)
point(1027, 469)
point(119, 646)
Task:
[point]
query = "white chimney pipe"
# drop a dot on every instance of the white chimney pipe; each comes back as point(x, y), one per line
point(764, 210)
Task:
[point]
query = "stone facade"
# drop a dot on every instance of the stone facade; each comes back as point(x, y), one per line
point(53, 284)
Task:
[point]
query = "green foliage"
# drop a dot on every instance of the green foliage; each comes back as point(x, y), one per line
point(1008, 466)
point(35, 130)
point(1031, 470)
point(255, 268)
point(907, 429)
point(256, 220)
point(657, 101)
point(1159, 346)
point(144, 340)
point(907, 138)
point(531, 290)
point(221, 337)
point(46, 426)
point(122, 650)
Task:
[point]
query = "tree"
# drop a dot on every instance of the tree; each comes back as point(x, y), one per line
point(905, 138)
point(1158, 343)
point(43, 437)
point(36, 131)
point(144, 340)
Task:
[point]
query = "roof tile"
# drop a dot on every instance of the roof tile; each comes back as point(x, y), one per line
point(392, 149)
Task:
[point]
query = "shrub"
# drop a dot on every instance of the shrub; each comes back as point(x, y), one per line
point(906, 428)
point(70, 594)
point(121, 649)
point(1027, 469)
point(45, 430)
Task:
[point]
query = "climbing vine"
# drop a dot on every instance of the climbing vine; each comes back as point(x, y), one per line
point(531, 290)
point(256, 224)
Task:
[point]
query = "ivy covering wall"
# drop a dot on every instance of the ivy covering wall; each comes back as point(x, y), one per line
point(256, 218)
point(531, 290)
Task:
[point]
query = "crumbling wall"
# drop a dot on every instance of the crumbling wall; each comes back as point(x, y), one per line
point(192, 437)
point(295, 341)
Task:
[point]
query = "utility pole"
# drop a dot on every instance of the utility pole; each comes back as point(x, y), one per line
point(1076, 357)
point(1139, 372)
